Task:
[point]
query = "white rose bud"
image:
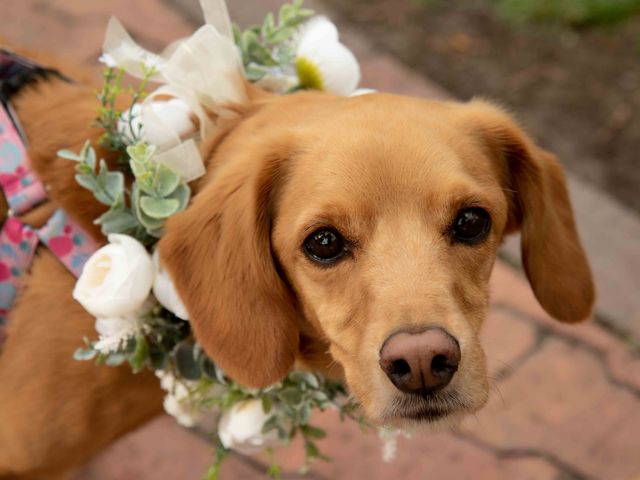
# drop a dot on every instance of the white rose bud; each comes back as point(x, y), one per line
point(116, 280)
point(165, 292)
point(240, 428)
point(162, 122)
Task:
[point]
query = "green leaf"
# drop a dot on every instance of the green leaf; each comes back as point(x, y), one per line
point(69, 155)
point(117, 221)
point(90, 156)
point(166, 181)
point(266, 404)
point(261, 54)
point(185, 361)
point(270, 424)
point(137, 167)
point(158, 360)
point(159, 207)
point(182, 194)
point(291, 395)
point(145, 183)
point(282, 35)
point(313, 432)
point(141, 151)
point(208, 368)
point(305, 413)
point(268, 25)
point(140, 354)
point(87, 181)
point(150, 224)
point(115, 359)
point(114, 184)
point(311, 450)
point(84, 354)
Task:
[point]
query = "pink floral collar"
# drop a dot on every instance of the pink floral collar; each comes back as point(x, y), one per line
point(18, 241)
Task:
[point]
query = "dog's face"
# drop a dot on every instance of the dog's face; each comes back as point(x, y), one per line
point(368, 228)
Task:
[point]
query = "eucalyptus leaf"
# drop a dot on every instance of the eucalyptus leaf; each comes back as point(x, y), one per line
point(141, 151)
point(270, 424)
point(117, 221)
point(91, 157)
point(150, 224)
point(185, 361)
point(313, 432)
point(114, 184)
point(166, 181)
point(159, 207)
point(87, 181)
point(282, 35)
point(290, 395)
point(69, 155)
point(84, 354)
point(137, 167)
point(139, 357)
point(267, 404)
point(182, 194)
point(115, 359)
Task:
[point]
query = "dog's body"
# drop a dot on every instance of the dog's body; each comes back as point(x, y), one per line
point(387, 173)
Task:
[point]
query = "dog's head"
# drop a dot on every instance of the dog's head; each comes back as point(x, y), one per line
point(359, 234)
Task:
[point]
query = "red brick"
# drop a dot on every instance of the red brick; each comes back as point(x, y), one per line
point(75, 30)
point(160, 450)
point(561, 403)
point(505, 339)
point(432, 455)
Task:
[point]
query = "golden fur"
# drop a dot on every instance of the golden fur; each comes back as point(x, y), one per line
point(389, 172)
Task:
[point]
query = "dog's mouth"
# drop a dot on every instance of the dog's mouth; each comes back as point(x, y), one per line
point(426, 407)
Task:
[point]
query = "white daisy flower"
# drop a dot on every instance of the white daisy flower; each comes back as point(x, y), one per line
point(322, 62)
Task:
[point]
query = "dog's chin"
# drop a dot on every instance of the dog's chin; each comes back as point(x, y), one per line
point(435, 411)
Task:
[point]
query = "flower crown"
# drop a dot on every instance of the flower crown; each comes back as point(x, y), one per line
point(140, 318)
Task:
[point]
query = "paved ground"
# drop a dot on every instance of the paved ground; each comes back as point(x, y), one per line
point(566, 400)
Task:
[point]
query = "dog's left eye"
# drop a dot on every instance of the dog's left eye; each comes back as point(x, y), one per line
point(325, 246)
point(471, 225)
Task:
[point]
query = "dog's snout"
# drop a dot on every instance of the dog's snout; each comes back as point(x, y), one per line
point(420, 362)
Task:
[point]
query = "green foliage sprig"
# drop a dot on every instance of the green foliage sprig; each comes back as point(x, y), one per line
point(113, 138)
point(270, 45)
point(157, 192)
point(164, 342)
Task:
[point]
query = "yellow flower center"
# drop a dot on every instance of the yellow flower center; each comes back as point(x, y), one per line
point(98, 273)
point(309, 74)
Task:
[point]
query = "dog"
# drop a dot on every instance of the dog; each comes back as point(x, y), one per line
point(350, 236)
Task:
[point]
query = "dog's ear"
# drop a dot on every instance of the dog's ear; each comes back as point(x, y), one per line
point(218, 253)
point(552, 255)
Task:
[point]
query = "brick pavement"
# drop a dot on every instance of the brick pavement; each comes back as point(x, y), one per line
point(565, 401)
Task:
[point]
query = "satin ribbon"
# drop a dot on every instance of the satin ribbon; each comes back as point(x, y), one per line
point(205, 70)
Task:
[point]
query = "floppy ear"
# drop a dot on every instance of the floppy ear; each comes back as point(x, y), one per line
point(218, 253)
point(552, 255)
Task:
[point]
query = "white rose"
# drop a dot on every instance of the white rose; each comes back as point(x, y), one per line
point(322, 62)
point(116, 280)
point(180, 409)
point(241, 428)
point(165, 292)
point(161, 122)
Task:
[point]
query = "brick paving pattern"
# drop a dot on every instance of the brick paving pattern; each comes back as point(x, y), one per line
point(565, 402)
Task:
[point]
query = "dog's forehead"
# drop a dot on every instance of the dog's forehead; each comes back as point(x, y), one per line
point(387, 147)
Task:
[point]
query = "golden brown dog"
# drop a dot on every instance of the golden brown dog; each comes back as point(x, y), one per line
point(355, 236)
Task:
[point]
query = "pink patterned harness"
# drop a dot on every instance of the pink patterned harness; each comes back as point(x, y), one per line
point(18, 241)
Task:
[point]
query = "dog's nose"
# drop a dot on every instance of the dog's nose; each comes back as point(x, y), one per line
point(420, 362)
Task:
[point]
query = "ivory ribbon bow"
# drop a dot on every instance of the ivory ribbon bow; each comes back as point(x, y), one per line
point(204, 70)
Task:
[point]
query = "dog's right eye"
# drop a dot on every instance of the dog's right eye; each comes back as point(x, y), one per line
point(325, 246)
